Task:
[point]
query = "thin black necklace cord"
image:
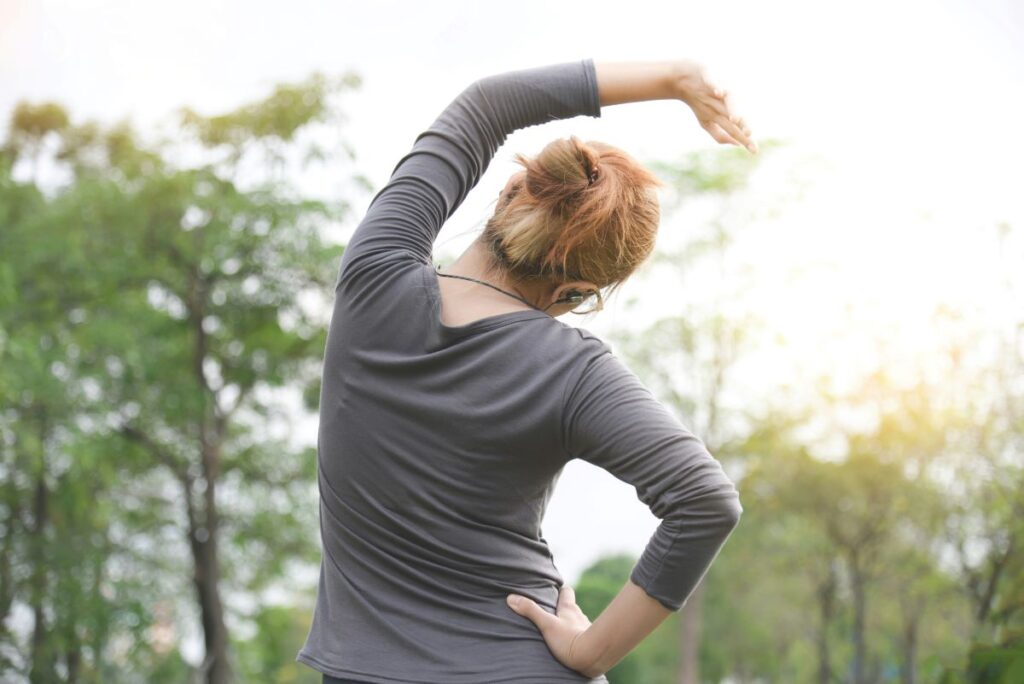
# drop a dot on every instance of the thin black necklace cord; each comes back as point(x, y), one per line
point(495, 287)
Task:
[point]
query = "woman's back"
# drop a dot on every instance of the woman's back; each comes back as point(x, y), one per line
point(439, 445)
point(439, 448)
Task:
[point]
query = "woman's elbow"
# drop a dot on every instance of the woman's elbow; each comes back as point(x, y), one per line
point(730, 511)
point(717, 514)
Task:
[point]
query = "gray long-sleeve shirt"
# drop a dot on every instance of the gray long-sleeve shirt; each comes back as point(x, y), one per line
point(439, 446)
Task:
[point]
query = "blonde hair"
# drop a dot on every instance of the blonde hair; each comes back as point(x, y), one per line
point(583, 211)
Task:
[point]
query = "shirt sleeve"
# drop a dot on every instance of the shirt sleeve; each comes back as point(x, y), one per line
point(614, 421)
point(448, 159)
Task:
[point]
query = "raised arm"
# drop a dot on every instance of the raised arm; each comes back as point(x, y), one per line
point(448, 159)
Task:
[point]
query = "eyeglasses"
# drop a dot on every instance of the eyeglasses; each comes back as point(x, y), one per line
point(585, 302)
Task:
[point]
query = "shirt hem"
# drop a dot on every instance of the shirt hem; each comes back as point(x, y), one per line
point(342, 673)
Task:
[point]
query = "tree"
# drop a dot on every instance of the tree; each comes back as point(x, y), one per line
point(58, 549)
point(986, 529)
point(180, 301)
point(269, 656)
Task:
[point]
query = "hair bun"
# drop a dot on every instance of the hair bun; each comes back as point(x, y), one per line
point(564, 168)
point(557, 223)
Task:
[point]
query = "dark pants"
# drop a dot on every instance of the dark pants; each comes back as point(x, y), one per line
point(328, 679)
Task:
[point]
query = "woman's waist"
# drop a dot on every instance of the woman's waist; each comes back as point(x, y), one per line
point(406, 572)
point(464, 561)
point(410, 636)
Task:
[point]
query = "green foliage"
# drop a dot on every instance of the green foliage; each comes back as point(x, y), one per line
point(996, 664)
point(35, 121)
point(882, 563)
point(30, 124)
point(281, 115)
point(269, 656)
point(154, 315)
point(600, 583)
point(711, 170)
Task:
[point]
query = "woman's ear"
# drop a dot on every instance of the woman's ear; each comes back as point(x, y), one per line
point(577, 286)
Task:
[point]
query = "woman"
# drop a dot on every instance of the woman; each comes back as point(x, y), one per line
point(453, 398)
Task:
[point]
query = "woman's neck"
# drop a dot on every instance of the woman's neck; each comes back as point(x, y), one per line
point(477, 262)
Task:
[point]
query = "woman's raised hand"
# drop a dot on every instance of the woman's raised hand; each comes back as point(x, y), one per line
point(680, 79)
point(561, 631)
point(711, 105)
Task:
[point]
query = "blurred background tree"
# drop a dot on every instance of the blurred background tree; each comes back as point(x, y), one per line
point(159, 318)
point(843, 568)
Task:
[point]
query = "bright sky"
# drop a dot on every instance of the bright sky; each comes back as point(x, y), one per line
point(899, 118)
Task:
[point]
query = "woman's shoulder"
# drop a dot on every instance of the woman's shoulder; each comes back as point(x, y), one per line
point(586, 343)
point(567, 339)
point(567, 350)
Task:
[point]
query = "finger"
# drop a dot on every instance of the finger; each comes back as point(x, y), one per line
point(566, 597)
point(528, 608)
point(718, 134)
point(725, 108)
point(741, 122)
point(721, 102)
point(737, 133)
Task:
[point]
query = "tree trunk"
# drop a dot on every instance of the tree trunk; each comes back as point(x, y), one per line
point(99, 636)
point(42, 664)
point(826, 610)
point(859, 610)
point(203, 534)
point(910, 652)
point(691, 620)
point(203, 541)
point(215, 637)
point(73, 661)
point(6, 553)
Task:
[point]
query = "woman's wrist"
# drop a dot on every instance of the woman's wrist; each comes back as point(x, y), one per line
point(687, 77)
point(624, 82)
